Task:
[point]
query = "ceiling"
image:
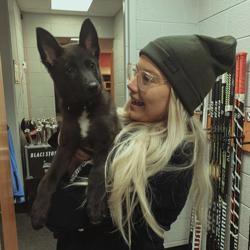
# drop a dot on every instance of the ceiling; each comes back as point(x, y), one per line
point(106, 8)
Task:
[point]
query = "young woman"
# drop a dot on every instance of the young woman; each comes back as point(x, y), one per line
point(159, 157)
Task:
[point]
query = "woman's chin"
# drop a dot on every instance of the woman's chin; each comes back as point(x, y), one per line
point(135, 116)
point(132, 115)
point(136, 113)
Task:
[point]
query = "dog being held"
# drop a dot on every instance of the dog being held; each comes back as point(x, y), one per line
point(89, 118)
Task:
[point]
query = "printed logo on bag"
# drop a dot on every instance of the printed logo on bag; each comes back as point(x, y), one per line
point(42, 154)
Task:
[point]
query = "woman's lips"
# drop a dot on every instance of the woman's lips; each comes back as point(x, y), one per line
point(137, 102)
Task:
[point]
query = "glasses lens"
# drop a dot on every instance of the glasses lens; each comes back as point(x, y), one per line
point(140, 82)
point(143, 78)
point(147, 78)
point(131, 72)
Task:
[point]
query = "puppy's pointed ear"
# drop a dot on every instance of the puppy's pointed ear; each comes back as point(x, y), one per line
point(88, 38)
point(48, 47)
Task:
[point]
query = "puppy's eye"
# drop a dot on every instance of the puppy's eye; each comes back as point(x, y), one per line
point(90, 65)
point(70, 69)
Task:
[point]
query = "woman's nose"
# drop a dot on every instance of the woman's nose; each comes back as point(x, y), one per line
point(132, 85)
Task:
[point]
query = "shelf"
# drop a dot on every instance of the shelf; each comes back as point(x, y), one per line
point(105, 70)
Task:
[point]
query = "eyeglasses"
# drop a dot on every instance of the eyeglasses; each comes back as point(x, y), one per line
point(145, 79)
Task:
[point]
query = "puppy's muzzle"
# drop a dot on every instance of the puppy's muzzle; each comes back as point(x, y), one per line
point(93, 86)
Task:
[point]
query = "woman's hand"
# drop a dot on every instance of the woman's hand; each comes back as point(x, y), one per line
point(81, 155)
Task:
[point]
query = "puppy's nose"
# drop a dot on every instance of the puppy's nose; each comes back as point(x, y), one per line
point(93, 86)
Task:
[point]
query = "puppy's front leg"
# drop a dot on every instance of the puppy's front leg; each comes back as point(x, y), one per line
point(96, 197)
point(48, 185)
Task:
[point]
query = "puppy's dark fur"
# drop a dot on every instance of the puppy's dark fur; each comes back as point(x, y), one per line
point(89, 117)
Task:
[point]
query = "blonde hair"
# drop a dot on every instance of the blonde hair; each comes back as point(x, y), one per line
point(140, 151)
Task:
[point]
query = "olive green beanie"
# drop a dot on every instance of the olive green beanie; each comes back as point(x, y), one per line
point(192, 63)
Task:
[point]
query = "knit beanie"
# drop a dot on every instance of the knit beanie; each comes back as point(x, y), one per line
point(192, 63)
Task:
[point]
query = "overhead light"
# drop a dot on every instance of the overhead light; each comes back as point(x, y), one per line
point(71, 5)
point(75, 39)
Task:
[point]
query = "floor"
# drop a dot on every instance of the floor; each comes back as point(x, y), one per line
point(30, 239)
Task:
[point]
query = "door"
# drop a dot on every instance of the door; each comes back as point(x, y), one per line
point(7, 212)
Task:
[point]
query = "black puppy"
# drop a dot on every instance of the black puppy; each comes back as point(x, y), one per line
point(89, 118)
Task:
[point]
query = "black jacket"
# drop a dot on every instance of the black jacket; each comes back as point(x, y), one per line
point(70, 224)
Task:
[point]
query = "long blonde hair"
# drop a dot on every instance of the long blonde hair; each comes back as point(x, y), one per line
point(143, 149)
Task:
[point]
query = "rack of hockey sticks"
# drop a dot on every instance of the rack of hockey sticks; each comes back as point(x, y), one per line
point(226, 115)
point(227, 118)
point(216, 137)
point(221, 148)
point(196, 232)
point(239, 116)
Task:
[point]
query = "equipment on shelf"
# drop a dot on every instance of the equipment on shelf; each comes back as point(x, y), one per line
point(38, 131)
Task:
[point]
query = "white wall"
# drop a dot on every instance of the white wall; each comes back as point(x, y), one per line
point(218, 18)
point(18, 56)
point(118, 59)
point(41, 92)
point(163, 17)
point(147, 20)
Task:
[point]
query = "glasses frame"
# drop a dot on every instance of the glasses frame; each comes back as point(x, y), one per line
point(135, 73)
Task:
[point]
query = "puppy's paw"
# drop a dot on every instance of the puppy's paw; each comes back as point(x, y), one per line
point(39, 214)
point(97, 210)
